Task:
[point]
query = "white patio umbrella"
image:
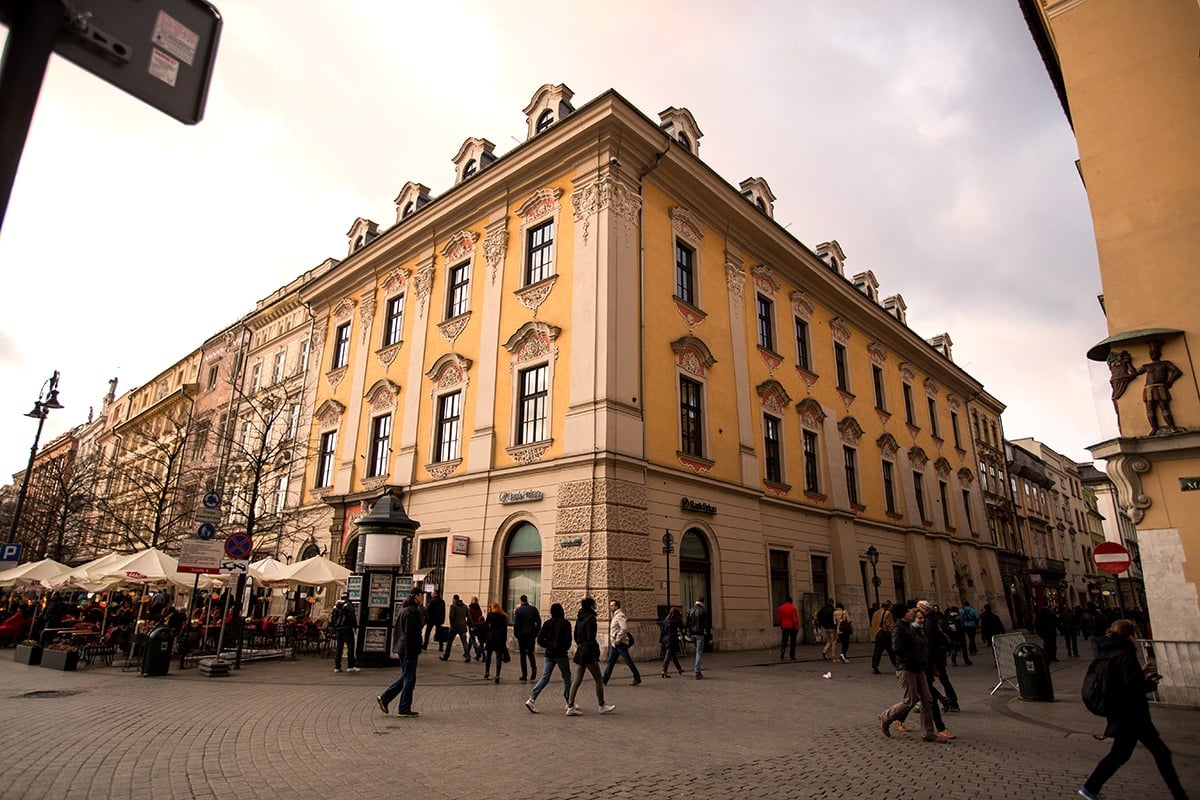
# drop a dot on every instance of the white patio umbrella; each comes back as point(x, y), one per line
point(91, 571)
point(265, 569)
point(315, 571)
point(32, 573)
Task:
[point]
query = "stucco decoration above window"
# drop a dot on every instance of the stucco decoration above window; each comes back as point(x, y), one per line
point(850, 430)
point(448, 371)
point(692, 355)
point(532, 341)
point(917, 457)
point(773, 396)
point(888, 445)
point(811, 413)
point(329, 413)
point(382, 395)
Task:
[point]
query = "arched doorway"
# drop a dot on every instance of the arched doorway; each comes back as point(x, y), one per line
point(695, 569)
point(522, 566)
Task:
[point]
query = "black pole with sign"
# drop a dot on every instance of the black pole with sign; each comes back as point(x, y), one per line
point(668, 542)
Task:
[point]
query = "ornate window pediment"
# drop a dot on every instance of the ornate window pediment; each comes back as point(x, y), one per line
point(692, 355)
point(850, 430)
point(802, 306)
point(449, 370)
point(396, 281)
point(931, 387)
point(877, 353)
point(811, 413)
point(382, 395)
point(888, 444)
point(532, 341)
point(461, 245)
point(686, 226)
point(329, 413)
point(841, 331)
point(943, 466)
point(540, 204)
point(917, 456)
point(773, 396)
point(966, 476)
point(344, 309)
point(765, 281)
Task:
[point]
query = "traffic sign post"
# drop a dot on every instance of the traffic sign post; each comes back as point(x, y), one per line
point(1114, 559)
point(10, 551)
point(239, 546)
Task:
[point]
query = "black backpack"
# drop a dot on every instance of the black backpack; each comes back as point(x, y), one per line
point(1095, 686)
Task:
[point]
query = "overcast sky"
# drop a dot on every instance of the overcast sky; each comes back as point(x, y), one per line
point(924, 136)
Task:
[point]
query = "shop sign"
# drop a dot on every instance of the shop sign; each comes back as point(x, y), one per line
point(574, 541)
point(458, 545)
point(1189, 484)
point(696, 506)
point(523, 496)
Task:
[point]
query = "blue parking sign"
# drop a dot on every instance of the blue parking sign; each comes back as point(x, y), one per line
point(10, 551)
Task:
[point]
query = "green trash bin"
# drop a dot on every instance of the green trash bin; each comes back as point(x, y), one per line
point(156, 660)
point(1033, 673)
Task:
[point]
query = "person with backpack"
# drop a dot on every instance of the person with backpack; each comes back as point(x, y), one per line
point(555, 637)
point(956, 634)
point(970, 623)
point(1125, 685)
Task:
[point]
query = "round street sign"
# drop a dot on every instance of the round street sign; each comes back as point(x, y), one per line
point(1111, 557)
point(238, 546)
point(207, 531)
point(212, 500)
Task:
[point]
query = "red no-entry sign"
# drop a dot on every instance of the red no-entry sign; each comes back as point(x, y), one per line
point(1111, 557)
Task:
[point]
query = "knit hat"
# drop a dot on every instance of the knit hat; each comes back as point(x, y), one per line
point(923, 605)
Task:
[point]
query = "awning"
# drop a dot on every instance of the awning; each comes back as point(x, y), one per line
point(1100, 350)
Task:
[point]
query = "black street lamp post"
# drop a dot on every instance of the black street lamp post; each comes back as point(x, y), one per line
point(668, 547)
point(873, 557)
point(46, 402)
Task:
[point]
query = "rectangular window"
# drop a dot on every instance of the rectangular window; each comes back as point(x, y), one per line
point(280, 362)
point(200, 440)
point(766, 323)
point(393, 320)
point(954, 429)
point(281, 487)
point(213, 372)
point(532, 411)
point(898, 582)
point(802, 359)
point(919, 490)
point(341, 346)
point(325, 459)
point(459, 299)
point(850, 457)
point(839, 362)
point(771, 456)
point(877, 381)
point(811, 484)
point(247, 435)
point(933, 425)
point(820, 576)
point(889, 488)
point(943, 496)
point(966, 498)
point(909, 414)
point(255, 377)
point(539, 253)
point(381, 449)
point(449, 427)
point(685, 272)
point(690, 417)
point(294, 422)
point(983, 477)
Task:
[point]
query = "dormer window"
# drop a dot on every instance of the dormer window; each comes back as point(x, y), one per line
point(411, 199)
point(474, 155)
point(831, 253)
point(759, 193)
point(361, 233)
point(549, 105)
point(681, 126)
point(866, 283)
point(895, 306)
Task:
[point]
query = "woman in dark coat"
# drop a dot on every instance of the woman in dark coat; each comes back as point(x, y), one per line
point(669, 640)
point(586, 658)
point(1128, 712)
point(497, 640)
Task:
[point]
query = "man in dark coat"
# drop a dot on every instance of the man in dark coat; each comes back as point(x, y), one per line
point(1045, 625)
point(344, 622)
point(526, 624)
point(407, 646)
point(435, 617)
point(1128, 712)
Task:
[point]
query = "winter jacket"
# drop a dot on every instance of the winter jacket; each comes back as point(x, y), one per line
point(618, 628)
point(458, 616)
point(497, 630)
point(406, 633)
point(788, 617)
point(1128, 711)
point(555, 636)
point(588, 649)
point(435, 612)
point(910, 648)
point(526, 621)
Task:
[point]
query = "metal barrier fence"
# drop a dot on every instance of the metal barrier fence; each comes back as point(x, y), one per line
point(1179, 664)
point(1003, 648)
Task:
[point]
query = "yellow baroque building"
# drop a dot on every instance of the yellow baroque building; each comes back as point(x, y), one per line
point(595, 341)
point(1135, 112)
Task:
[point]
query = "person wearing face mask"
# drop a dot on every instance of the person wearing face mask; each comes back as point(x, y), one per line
point(912, 660)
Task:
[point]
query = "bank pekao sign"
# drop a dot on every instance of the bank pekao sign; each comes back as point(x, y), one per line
point(696, 507)
point(523, 496)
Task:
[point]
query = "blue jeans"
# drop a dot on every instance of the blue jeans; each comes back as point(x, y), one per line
point(621, 650)
point(450, 640)
point(403, 686)
point(548, 665)
point(698, 638)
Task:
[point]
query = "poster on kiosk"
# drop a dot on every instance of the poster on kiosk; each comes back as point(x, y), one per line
point(385, 537)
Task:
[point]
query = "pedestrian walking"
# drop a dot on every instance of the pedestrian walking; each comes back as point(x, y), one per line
point(526, 624)
point(1069, 624)
point(435, 618)
point(496, 641)
point(938, 646)
point(989, 624)
point(478, 629)
point(788, 618)
point(458, 616)
point(881, 634)
point(407, 646)
point(970, 621)
point(1128, 713)
point(957, 636)
point(699, 627)
point(670, 640)
point(912, 658)
point(344, 622)
point(825, 622)
point(587, 658)
point(619, 642)
point(1045, 625)
point(844, 626)
point(555, 637)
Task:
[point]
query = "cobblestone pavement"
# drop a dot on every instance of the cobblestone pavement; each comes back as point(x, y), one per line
point(756, 727)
